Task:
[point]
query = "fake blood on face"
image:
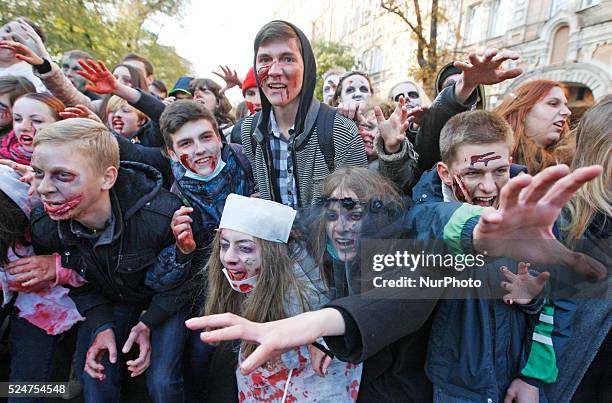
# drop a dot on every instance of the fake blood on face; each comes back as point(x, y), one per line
point(65, 207)
point(484, 158)
point(262, 74)
point(186, 163)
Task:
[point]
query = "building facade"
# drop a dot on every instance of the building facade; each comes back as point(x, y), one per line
point(564, 40)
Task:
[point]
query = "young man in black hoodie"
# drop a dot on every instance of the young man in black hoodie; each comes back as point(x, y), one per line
point(295, 141)
point(112, 224)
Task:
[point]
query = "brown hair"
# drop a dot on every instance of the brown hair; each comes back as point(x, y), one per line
point(473, 127)
point(223, 113)
point(149, 70)
point(88, 137)
point(594, 146)
point(275, 30)
point(13, 226)
point(335, 99)
point(15, 87)
point(181, 112)
point(514, 109)
point(76, 54)
point(55, 105)
point(37, 28)
point(275, 285)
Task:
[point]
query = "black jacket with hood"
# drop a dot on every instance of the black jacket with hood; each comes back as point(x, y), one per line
point(310, 168)
point(139, 265)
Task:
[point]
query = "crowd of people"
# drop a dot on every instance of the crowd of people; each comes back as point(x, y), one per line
point(165, 233)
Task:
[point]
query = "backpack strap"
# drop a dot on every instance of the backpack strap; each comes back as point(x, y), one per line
point(243, 161)
point(325, 134)
point(254, 124)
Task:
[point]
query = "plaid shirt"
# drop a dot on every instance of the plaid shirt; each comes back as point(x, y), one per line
point(282, 157)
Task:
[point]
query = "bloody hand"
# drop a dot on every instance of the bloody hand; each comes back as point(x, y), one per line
point(181, 228)
point(102, 79)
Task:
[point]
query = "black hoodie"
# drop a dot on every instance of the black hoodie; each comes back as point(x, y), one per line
point(309, 164)
point(308, 84)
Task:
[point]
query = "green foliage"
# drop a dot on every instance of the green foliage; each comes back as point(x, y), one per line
point(106, 29)
point(330, 55)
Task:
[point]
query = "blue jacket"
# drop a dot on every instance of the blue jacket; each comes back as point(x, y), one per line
point(478, 346)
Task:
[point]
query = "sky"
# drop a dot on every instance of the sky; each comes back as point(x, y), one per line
point(216, 32)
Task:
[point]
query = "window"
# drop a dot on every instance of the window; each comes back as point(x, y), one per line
point(559, 45)
point(474, 28)
point(500, 17)
point(588, 3)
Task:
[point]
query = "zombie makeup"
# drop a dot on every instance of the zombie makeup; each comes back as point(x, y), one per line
point(547, 120)
point(125, 121)
point(343, 215)
point(329, 87)
point(355, 88)
point(68, 186)
point(252, 99)
point(410, 94)
point(478, 173)
point(70, 66)
point(197, 147)
point(30, 116)
point(240, 256)
point(368, 130)
point(280, 70)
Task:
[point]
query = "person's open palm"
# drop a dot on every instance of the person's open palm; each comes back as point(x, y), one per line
point(487, 69)
point(102, 80)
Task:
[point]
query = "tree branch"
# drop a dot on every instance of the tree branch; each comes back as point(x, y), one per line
point(392, 7)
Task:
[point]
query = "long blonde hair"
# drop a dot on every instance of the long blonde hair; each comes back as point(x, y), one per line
point(594, 145)
point(276, 284)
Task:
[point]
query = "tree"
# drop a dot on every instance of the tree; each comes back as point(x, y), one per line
point(106, 29)
point(329, 55)
point(429, 57)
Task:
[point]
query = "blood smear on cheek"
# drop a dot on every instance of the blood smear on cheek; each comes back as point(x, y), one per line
point(186, 163)
point(262, 74)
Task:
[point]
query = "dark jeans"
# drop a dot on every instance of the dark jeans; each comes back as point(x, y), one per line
point(31, 351)
point(196, 365)
point(596, 386)
point(164, 375)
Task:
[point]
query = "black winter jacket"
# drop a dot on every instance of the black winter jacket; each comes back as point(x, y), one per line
point(139, 266)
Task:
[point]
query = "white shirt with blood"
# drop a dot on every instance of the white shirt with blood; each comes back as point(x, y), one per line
point(50, 309)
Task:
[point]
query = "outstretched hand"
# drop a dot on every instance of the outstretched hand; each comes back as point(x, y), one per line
point(273, 338)
point(32, 40)
point(230, 77)
point(79, 111)
point(521, 228)
point(102, 79)
point(22, 52)
point(487, 68)
point(393, 130)
point(417, 114)
point(522, 287)
point(484, 69)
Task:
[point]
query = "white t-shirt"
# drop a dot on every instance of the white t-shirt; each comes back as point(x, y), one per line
point(23, 69)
